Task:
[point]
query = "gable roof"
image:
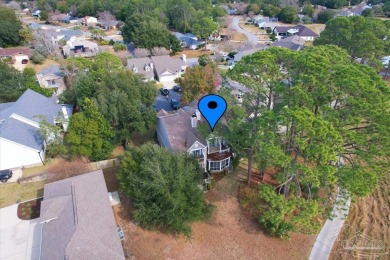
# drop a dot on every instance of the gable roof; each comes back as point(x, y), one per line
point(181, 134)
point(140, 64)
point(187, 38)
point(14, 117)
point(166, 63)
point(239, 55)
point(51, 70)
point(13, 51)
point(282, 29)
point(303, 31)
point(293, 43)
point(68, 34)
point(78, 220)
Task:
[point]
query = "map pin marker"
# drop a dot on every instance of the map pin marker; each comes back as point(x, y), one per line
point(212, 108)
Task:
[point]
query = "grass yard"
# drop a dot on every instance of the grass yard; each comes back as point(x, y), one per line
point(39, 67)
point(251, 28)
point(10, 193)
point(316, 27)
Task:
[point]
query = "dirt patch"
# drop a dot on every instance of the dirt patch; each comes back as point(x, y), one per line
point(367, 226)
point(30, 209)
point(193, 53)
point(118, 151)
point(228, 234)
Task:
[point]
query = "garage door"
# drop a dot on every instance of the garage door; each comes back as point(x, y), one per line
point(165, 78)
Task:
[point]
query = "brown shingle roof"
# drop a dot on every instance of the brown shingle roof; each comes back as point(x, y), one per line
point(14, 51)
point(79, 220)
point(180, 133)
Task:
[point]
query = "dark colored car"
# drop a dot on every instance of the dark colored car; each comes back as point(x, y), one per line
point(24, 61)
point(5, 175)
point(175, 104)
point(177, 88)
point(164, 91)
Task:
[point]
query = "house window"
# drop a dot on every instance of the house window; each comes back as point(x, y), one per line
point(197, 153)
point(215, 166)
point(51, 83)
point(225, 163)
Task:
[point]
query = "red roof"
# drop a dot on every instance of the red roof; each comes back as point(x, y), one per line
point(14, 51)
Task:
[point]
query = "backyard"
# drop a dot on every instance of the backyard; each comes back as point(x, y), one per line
point(228, 234)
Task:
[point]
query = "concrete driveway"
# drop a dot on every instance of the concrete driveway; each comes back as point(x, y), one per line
point(162, 102)
point(19, 239)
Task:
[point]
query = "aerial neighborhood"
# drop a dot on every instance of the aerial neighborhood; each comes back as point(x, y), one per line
point(109, 151)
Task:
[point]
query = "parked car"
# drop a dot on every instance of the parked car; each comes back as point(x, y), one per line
point(24, 61)
point(177, 88)
point(164, 91)
point(5, 175)
point(175, 104)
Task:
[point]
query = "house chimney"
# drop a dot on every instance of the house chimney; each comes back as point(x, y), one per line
point(184, 58)
point(194, 121)
point(197, 113)
point(151, 65)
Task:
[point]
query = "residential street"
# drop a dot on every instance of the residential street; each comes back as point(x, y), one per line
point(251, 37)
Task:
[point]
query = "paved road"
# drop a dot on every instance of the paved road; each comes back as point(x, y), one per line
point(251, 37)
point(330, 231)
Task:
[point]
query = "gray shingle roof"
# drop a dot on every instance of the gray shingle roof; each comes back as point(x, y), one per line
point(187, 38)
point(166, 63)
point(304, 31)
point(79, 220)
point(68, 33)
point(28, 106)
point(140, 64)
point(53, 69)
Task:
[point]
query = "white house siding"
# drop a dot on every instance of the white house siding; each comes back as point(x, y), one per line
point(199, 146)
point(13, 155)
point(167, 78)
point(308, 38)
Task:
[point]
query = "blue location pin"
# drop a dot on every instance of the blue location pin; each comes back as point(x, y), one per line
point(212, 108)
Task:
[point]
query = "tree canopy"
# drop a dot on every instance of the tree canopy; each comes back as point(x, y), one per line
point(9, 27)
point(163, 188)
point(316, 117)
point(308, 110)
point(124, 99)
point(89, 134)
point(146, 32)
point(365, 38)
point(13, 83)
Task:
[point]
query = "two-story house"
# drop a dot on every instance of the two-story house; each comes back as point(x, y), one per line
point(178, 132)
point(20, 143)
point(53, 78)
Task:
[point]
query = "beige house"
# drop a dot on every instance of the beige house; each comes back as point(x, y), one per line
point(53, 78)
point(80, 48)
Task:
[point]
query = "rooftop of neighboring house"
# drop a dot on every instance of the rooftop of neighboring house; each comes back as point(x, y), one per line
point(179, 129)
point(18, 120)
point(189, 38)
point(238, 56)
point(74, 43)
point(52, 70)
point(141, 65)
point(78, 220)
point(293, 43)
point(167, 63)
point(282, 29)
point(303, 31)
point(67, 34)
point(13, 51)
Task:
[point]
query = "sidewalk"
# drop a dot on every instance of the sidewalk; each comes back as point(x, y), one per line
point(330, 231)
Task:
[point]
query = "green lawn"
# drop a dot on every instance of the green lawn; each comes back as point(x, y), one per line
point(10, 193)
